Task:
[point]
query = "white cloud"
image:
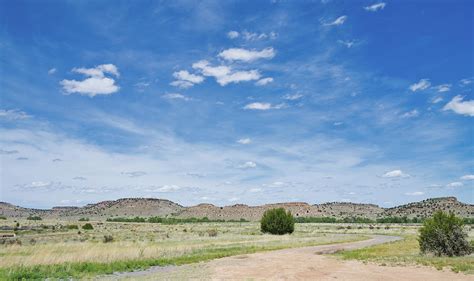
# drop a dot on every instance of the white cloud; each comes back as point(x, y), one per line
point(175, 96)
point(255, 190)
point(244, 141)
point(423, 84)
point(460, 107)
point(411, 114)
point(251, 36)
point(247, 165)
point(347, 43)
point(293, 96)
point(455, 184)
point(395, 174)
point(13, 114)
point(443, 88)
point(338, 123)
point(339, 21)
point(166, 188)
point(467, 177)
point(465, 81)
point(264, 81)
point(416, 193)
point(224, 74)
point(52, 71)
point(182, 84)
point(375, 7)
point(184, 79)
point(95, 84)
point(134, 174)
point(238, 54)
point(263, 106)
point(233, 34)
point(437, 100)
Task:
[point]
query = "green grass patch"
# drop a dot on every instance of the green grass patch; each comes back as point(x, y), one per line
point(407, 251)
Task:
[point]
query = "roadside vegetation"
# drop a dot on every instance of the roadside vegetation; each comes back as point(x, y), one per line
point(443, 243)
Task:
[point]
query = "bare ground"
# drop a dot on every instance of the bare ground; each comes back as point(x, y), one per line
point(306, 263)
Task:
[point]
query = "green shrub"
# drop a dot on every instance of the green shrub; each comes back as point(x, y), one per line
point(277, 221)
point(3, 218)
point(108, 238)
point(443, 235)
point(34, 218)
point(84, 219)
point(72, 226)
point(87, 226)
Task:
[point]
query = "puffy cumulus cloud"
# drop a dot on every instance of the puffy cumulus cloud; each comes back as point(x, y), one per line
point(244, 141)
point(263, 106)
point(175, 96)
point(239, 54)
point(421, 85)
point(233, 34)
point(375, 7)
point(225, 74)
point(395, 174)
point(415, 193)
point(13, 114)
point(96, 82)
point(455, 184)
point(247, 165)
point(184, 79)
point(443, 88)
point(467, 177)
point(264, 81)
point(460, 107)
point(339, 21)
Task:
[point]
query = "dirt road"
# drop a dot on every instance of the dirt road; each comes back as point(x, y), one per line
point(296, 264)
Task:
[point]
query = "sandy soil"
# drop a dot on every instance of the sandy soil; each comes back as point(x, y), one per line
point(296, 264)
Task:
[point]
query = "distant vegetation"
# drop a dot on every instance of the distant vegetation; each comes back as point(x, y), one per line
point(169, 220)
point(277, 221)
point(3, 218)
point(84, 219)
point(443, 235)
point(367, 220)
point(34, 218)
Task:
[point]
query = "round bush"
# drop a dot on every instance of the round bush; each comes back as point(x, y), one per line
point(87, 226)
point(443, 235)
point(277, 221)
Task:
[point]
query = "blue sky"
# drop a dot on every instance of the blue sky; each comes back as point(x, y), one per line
point(236, 101)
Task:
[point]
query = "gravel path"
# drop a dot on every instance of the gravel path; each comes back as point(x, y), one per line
point(307, 263)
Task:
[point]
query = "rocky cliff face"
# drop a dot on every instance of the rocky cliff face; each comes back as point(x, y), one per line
point(146, 207)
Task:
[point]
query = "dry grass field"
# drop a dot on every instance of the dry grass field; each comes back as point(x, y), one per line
point(53, 249)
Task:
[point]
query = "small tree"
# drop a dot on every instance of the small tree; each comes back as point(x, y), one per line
point(277, 221)
point(443, 235)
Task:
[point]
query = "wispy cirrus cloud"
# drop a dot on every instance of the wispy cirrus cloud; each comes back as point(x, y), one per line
point(14, 114)
point(375, 7)
point(421, 85)
point(263, 106)
point(339, 21)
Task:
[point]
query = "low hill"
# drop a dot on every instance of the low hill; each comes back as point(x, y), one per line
point(146, 207)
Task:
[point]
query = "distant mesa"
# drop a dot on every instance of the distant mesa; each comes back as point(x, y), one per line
point(146, 207)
